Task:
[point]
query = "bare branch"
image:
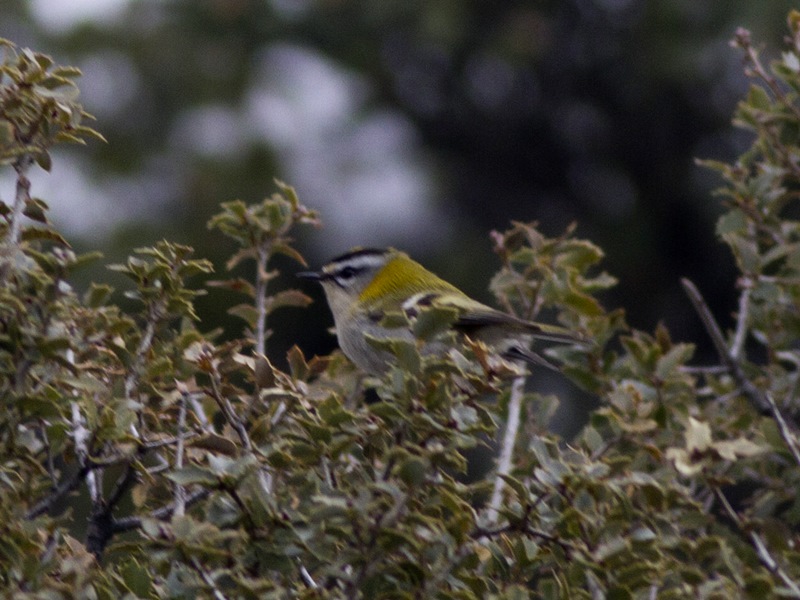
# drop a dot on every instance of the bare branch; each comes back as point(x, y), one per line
point(123, 484)
point(197, 408)
point(748, 388)
point(762, 551)
point(51, 467)
point(132, 380)
point(306, 576)
point(763, 401)
point(206, 577)
point(165, 512)
point(525, 528)
point(23, 193)
point(57, 493)
point(262, 278)
point(507, 449)
point(80, 436)
point(786, 433)
point(227, 410)
point(742, 318)
point(180, 491)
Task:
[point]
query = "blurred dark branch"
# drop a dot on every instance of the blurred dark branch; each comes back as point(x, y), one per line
point(101, 522)
point(130, 523)
point(206, 577)
point(756, 396)
point(57, 493)
point(765, 403)
point(786, 433)
point(759, 544)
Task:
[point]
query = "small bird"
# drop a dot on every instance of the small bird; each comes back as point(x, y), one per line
point(365, 284)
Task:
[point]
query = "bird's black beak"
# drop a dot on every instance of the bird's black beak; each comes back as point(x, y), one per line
point(313, 275)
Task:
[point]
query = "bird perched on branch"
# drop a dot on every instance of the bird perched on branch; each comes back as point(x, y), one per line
point(366, 285)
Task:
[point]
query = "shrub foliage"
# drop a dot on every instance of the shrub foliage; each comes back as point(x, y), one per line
point(142, 457)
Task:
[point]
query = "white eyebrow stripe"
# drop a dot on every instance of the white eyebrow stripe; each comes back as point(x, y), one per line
point(358, 263)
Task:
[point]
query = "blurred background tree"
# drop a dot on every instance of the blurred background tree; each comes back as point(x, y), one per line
point(417, 124)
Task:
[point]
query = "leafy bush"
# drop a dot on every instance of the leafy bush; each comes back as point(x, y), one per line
point(142, 457)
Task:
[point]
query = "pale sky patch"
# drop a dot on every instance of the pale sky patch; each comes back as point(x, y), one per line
point(63, 15)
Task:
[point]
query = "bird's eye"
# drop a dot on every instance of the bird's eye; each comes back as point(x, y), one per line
point(346, 273)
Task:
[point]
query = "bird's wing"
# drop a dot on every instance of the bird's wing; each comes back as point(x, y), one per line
point(485, 318)
point(474, 315)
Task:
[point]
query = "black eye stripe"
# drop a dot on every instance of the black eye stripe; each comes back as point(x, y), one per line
point(345, 274)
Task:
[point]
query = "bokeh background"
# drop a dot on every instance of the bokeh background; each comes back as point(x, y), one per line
point(420, 124)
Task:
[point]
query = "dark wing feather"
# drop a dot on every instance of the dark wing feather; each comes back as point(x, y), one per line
point(473, 320)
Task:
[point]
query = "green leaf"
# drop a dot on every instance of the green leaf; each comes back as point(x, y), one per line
point(578, 254)
point(758, 98)
point(759, 586)
point(247, 312)
point(193, 474)
point(39, 234)
point(214, 443)
point(298, 366)
point(287, 250)
point(333, 413)
point(137, 578)
point(433, 321)
point(732, 222)
point(387, 410)
point(583, 303)
point(285, 298)
point(413, 470)
point(97, 295)
point(698, 436)
point(675, 358)
point(239, 285)
point(36, 210)
point(44, 160)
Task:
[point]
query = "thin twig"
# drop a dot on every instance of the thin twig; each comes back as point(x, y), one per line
point(57, 493)
point(760, 546)
point(200, 413)
point(80, 436)
point(156, 444)
point(306, 576)
point(227, 410)
point(699, 370)
point(122, 485)
point(23, 193)
point(653, 592)
point(788, 436)
point(524, 528)
point(743, 39)
point(741, 324)
point(180, 491)
point(51, 467)
point(208, 579)
point(763, 401)
point(165, 512)
point(262, 278)
point(748, 388)
point(507, 449)
point(100, 528)
point(132, 380)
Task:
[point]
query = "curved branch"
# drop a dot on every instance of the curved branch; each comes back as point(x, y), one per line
point(731, 362)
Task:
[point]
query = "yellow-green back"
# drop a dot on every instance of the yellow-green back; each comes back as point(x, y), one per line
point(401, 278)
